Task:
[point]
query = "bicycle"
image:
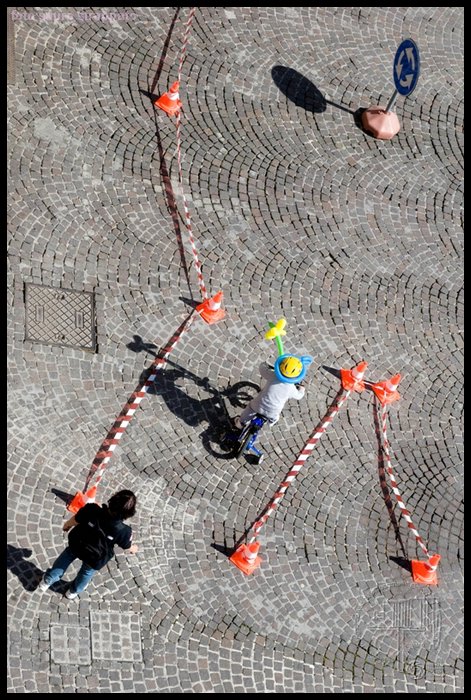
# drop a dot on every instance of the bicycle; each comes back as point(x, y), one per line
point(246, 438)
point(243, 441)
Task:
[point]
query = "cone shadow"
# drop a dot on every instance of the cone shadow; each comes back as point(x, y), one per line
point(193, 303)
point(227, 551)
point(404, 563)
point(152, 97)
point(332, 370)
point(63, 495)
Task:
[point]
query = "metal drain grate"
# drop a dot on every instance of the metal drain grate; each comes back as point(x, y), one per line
point(60, 317)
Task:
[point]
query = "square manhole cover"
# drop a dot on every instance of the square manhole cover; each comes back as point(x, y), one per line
point(60, 317)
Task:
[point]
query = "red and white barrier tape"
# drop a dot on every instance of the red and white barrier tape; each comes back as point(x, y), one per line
point(185, 40)
point(178, 122)
point(114, 436)
point(304, 454)
point(387, 457)
point(204, 293)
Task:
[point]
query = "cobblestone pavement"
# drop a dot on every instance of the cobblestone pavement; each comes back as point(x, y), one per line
point(296, 213)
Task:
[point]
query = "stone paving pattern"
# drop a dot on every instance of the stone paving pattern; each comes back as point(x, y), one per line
point(297, 213)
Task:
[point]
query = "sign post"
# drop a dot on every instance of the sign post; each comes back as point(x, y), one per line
point(383, 123)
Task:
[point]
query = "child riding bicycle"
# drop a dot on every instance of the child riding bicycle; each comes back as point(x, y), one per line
point(283, 383)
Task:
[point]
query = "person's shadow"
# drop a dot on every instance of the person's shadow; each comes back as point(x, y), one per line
point(138, 345)
point(28, 573)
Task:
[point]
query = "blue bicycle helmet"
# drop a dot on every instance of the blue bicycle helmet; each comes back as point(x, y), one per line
point(291, 368)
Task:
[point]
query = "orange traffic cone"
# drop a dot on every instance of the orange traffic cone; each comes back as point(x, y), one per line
point(352, 378)
point(386, 391)
point(245, 557)
point(210, 309)
point(81, 499)
point(170, 101)
point(426, 571)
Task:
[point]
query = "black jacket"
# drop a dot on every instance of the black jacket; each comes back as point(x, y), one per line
point(92, 540)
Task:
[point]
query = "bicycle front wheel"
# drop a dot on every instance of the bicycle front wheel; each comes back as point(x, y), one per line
point(245, 441)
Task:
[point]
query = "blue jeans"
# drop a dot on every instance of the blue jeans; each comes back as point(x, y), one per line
point(248, 413)
point(61, 565)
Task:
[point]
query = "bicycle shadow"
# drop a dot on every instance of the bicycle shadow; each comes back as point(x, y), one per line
point(192, 411)
point(212, 410)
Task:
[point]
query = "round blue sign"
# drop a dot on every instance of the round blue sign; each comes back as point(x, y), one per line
point(406, 67)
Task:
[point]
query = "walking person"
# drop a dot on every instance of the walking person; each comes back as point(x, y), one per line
point(94, 530)
point(282, 384)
